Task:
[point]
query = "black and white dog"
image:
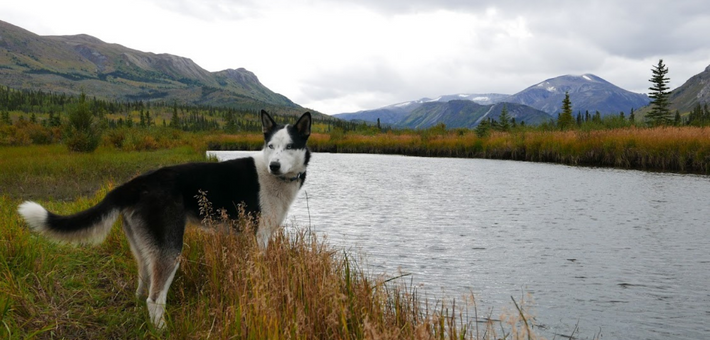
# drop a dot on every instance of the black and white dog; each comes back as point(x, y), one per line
point(156, 206)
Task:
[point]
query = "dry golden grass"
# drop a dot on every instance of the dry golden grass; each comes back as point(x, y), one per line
point(226, 288)
point(681, 149)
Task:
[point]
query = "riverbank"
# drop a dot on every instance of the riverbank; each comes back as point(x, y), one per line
point(673, 149)
point(225, 288)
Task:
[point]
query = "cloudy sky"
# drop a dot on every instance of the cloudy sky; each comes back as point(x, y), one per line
point(346, 55)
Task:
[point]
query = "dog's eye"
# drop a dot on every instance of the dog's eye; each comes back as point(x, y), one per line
point(271, 146)
point(289, 146)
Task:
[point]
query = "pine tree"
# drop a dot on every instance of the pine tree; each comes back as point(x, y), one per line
point(660, 112)
point(6, 118)
point(175, 120)
point(142, 119)
point(148, 120)
point(483, 128)
point(504, 118)
point(565, 119)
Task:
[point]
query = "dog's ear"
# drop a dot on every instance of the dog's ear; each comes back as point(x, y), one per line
point(303, 125)
point(267, 123)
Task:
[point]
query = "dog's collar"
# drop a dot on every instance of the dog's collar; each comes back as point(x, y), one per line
point(292, 179)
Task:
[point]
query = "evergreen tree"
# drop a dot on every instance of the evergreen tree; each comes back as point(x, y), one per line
point(142, 119)
point(660, 112)
point(632, 116)
point(230, 124)
point(175, 120)
point(5, 119)
point(504, 118)
point(565, 119)
point(483, 128)
point(148, 120)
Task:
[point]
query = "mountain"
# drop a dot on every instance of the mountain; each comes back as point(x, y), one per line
point(695, 90)
point(468, 114)
point(72, 64)
point(393, 114)
point(586, 92)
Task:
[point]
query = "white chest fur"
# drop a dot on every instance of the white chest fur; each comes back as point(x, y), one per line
point(275, 199)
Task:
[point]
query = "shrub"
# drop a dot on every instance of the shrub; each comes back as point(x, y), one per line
point(83, 133)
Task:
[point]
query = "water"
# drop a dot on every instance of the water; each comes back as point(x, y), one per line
point(623, 254)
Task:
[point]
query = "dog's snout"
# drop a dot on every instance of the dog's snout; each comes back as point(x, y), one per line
point(275, 166)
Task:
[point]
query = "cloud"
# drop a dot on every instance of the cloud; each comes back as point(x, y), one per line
point(348, 55)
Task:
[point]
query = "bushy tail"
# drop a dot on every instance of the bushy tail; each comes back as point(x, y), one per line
point(89, 226)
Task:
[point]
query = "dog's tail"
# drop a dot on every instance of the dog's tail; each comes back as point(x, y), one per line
point(90, 226)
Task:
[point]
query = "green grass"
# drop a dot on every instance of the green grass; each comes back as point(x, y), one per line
point(301, 288)
point(51, 171)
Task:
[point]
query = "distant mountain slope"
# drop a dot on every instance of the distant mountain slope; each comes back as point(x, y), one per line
point(587, 93)
point(386, 115)
point(467, 114)
point(72, 64)
point(695, 90)
point(393, 114)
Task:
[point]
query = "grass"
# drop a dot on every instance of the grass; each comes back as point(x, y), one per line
point(50, 171)
point(677, 149)
point(301, 288)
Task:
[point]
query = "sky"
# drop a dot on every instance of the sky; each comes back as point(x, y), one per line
point(338, 56)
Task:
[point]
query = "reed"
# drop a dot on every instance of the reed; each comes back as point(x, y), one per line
point(678, 149)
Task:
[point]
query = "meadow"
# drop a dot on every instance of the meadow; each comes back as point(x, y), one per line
point(301, 288)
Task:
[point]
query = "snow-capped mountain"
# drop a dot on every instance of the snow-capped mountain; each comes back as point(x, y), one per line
point(586, 92)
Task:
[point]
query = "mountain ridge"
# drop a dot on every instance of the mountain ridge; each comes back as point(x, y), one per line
point(82, 63)
point(587, 92)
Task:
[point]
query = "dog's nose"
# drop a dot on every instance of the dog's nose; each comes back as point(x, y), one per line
point(275, 166)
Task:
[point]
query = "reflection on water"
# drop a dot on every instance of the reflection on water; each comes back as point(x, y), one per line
point(621, 251)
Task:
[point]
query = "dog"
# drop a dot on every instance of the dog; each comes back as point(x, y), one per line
point(157, 205)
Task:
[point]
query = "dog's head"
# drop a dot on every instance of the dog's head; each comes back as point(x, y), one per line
point(285, 151)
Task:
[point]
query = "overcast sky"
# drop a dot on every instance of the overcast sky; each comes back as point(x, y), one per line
point(346, 55)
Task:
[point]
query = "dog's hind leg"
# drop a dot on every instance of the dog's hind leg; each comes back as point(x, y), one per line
point(139, 250)
point(163, 271)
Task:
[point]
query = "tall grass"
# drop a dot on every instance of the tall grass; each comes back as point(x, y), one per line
point(680, 149)
point(300, 288)
point(51, 171)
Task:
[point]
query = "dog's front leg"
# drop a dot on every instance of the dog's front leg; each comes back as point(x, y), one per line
point(262, 237)
point(263, 234)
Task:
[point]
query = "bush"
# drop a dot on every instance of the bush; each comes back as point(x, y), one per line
point(83, 133)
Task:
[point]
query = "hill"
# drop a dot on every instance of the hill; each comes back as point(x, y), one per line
point(72, 64)
point(695, 90)
point(587, 93)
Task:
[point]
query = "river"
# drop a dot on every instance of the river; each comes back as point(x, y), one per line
point(617, 253)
